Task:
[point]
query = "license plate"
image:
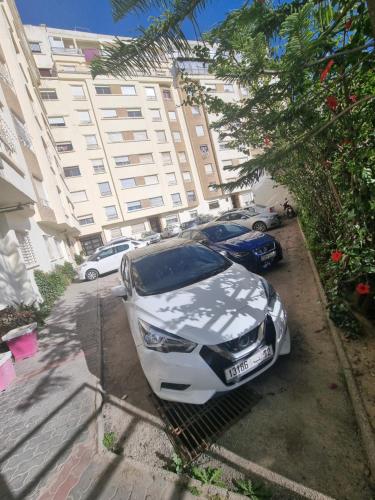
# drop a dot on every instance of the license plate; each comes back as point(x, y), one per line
point(246, 365)
point(268, 256)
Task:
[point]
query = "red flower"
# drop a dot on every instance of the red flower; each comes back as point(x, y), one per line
point(362, 288)
point(336, 256)
point(353, 98)
point(348, 24)
point(332, 102)
point(326, 70)
point(267, 140)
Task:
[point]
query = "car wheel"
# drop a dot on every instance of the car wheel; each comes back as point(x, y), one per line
point(91, 275)
point(259, 226)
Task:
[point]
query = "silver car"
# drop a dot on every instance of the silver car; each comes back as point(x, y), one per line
point(150, 237)
point(258, 221)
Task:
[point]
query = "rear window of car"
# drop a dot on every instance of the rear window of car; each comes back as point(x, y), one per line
point(223, 232)
point(176, 268)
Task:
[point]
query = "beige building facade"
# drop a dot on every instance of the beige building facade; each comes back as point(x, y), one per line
point(38, 227)
point(134, 158)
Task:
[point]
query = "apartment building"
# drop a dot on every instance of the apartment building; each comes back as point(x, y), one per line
point(37, 223)
point(134, 158)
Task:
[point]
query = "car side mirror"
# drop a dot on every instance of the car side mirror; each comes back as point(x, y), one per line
point(120, 291)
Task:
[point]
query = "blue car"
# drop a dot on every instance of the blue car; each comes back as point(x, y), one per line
point(254, 250)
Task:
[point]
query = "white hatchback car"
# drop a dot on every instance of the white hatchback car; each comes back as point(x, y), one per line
point(201, 323)
point(106, 259)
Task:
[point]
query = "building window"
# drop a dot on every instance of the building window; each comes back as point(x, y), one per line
point(138, 228)
point(161, 137)
point(212, 205)
point(64, 147)
point(176, 136)
point(77, 92)
point(132, 206)
point(56, 121)
point(167, 94)
point(171, 219)
point(156, 202)
point(26, 248)
point(151, 179)
point(171, 178)
point(78, 196)
point(128, 90)
point(128, 183)
point(199, 130)
point(209, 169)
point(150, 93)
point(121, 161)
point(191, 195)
point(84, 117)
point(115, 137)
point(111, 212)
point(86, 220)
point(204, 150)
point(140, 135)
point(48, 95)
point(72, 171)
point(193, 214)
point(105, 189)
point(91, 141)
point(166, 158)
point(116, 232)
point(182, 157)
point(35, 47)
point(134, 113)
point(155, 115)
point(195, 110)
point(172, 116)
point(227, 163)
point(244, 91)
point(228, 87)
point(146, 158)
point(45, 72)
point(176, 199)
point(101, 90)
point(98, 166)
point(108, 113)
point(186, 176)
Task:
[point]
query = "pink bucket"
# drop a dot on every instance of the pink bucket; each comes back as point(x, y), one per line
point(7, 373)
point(22, 341)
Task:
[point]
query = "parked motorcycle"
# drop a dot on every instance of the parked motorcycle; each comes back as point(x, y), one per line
point(288, 209)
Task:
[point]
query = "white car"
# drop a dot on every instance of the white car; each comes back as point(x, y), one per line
point(106, 259)
point(201, 323)
point(171, 230)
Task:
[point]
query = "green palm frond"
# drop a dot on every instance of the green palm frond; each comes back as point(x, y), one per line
point(164, 37)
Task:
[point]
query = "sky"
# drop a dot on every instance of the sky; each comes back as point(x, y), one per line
point(95, 16)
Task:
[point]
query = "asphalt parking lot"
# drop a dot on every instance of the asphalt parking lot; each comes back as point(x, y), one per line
point(302, 426)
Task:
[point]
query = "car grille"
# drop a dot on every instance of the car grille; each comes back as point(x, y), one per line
point(218, 361)
point(268, 247)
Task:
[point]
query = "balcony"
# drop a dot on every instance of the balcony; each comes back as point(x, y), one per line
point(67, 51)
point(7, 139)
point(5, 76)
point(47, 215)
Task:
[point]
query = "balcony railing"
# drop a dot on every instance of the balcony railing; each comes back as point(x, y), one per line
point(67, 51)
point(23, 135)
point(5, 76)
point(7, 138)
point(44, 203)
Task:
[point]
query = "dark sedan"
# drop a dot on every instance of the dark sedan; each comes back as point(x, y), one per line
point(256, 251)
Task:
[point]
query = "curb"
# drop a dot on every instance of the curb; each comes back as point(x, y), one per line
point(360, 412)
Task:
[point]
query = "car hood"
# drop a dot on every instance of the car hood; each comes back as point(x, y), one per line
point(247, 241)
point(218, 309)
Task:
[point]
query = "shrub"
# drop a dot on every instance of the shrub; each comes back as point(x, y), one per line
point(52, 285)
point(78, 257)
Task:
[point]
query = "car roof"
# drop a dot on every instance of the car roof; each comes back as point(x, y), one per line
point(163, 246)
point(217, 223)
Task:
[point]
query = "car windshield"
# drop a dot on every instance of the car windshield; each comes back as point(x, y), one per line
point(173, 269)
point(223, 232)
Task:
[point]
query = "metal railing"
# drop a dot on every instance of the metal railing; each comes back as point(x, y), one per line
point(7, 138)
point(5, 76)
point(67, 51)
point(22, 133)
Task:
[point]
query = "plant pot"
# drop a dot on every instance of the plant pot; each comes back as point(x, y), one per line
point(7, 373)
point(22, 341)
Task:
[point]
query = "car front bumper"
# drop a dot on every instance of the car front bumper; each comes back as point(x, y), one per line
point(199, 377)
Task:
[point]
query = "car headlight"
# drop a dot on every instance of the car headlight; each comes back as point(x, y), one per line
point(270, 292)
point(158, 340)
point(238, 255)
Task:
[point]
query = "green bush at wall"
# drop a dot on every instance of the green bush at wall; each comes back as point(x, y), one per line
point(52, 285)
